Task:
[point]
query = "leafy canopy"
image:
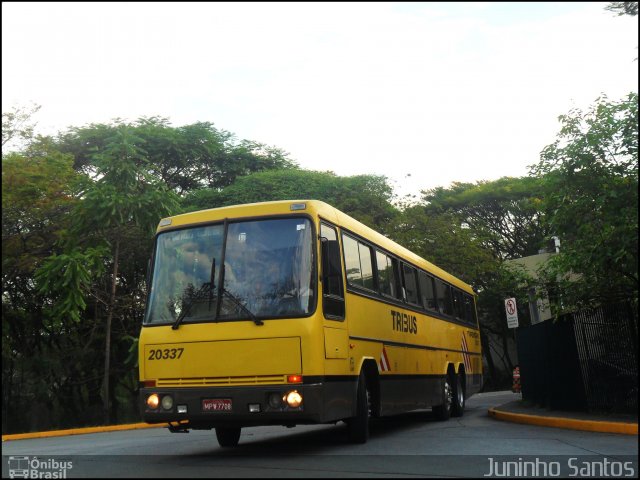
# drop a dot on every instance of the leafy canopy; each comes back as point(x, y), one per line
point(590, 175)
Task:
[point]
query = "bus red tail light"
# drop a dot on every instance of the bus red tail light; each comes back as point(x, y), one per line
point(294, 378)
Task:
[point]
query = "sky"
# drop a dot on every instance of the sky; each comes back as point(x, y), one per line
point(425, 93)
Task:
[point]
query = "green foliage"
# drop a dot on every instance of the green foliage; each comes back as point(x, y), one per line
point(39, 188)
point(504, 214)
point(76, 243)
point(67, 232)
point(506, 281)
point(441, 239)
point(365, 197)
point(67, 278)
point(17, 125)
point(183, 158)
point(590, 176)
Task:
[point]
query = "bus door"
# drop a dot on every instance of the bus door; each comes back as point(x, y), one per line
point(336, 336)
point(338, 361)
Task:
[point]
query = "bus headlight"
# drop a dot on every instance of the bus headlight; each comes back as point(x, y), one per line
point(153, 401)
point(167, 402)
point(293, 399)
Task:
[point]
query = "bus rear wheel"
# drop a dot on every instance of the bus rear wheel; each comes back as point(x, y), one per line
point(228, 436)
point(457, 407)
point(443, 411)
point(358, 426)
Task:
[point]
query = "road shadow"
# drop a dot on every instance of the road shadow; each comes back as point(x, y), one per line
point(318, 441)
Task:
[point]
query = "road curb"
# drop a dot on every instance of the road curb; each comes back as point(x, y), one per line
point(80, 431)
point(569, 423)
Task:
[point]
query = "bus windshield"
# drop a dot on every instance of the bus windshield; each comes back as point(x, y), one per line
point(267, 272)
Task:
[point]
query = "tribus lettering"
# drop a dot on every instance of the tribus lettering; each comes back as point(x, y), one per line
point(401, 322)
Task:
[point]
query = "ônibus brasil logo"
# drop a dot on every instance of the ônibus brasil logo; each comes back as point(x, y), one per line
point(34, 467)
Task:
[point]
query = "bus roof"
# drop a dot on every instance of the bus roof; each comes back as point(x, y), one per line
point(315, 208)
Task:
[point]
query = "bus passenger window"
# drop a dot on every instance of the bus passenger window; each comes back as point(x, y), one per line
point(469, 310)
point(352, 261)
point(397, 281)
point(443, 292)
point(358, 263)
point(427, 291)
point(410, 284)
point(366, 266)
point(458, 308)
point(385, 274)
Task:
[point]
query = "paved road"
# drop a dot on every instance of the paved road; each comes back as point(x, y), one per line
point(409, 445)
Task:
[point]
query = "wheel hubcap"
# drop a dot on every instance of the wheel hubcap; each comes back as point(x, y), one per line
point(448, 394)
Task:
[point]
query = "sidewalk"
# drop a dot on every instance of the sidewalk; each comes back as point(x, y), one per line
point(521, 411)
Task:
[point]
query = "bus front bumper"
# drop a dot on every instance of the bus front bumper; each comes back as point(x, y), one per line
point(209, 407)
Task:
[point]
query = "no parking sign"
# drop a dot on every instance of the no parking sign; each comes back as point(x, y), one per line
point(512, 312)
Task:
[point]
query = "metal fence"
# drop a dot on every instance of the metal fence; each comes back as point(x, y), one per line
point(584, 361)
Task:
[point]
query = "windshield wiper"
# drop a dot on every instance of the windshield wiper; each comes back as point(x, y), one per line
point(237, 302)
point(206, 287)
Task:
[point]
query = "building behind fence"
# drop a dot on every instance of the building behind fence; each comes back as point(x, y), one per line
point(583, 361)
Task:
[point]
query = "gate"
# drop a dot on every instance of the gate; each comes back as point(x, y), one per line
point(583, 361)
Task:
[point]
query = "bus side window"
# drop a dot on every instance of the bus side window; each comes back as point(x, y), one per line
point(397, 281)
point(351, 261)
point(469, 310)
point(332, 287)
point(410, 284)
point(458, 308)
point(443, 292)
point(427, 291)
point(366, 265)
point(385, 274)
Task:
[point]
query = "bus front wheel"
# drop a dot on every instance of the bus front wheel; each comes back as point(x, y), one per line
point(228, 436)
point(358, 426)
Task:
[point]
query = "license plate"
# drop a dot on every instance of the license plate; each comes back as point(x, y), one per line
point(216, 405)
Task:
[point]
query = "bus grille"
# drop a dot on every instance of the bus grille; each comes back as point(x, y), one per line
point(221, 381)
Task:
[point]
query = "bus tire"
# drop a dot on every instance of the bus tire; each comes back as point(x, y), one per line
point(457, 406)
point(228, 436)
point(443, 411)
point(358, 426)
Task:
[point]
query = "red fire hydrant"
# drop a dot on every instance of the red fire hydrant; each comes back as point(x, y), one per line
point(516, 380)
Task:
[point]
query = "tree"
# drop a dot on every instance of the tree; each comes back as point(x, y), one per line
point(504, 213)
point(590, 175)
point(75, 249)
point(39, 189)
point(17, 125)
point(505, 281)
point(123, 200)
point(184, 158)
point(470, 230)
point(444, 241)
point(365, 197)
point(623, 8)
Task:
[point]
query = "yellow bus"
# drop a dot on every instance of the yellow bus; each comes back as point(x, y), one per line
point(292, 312)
